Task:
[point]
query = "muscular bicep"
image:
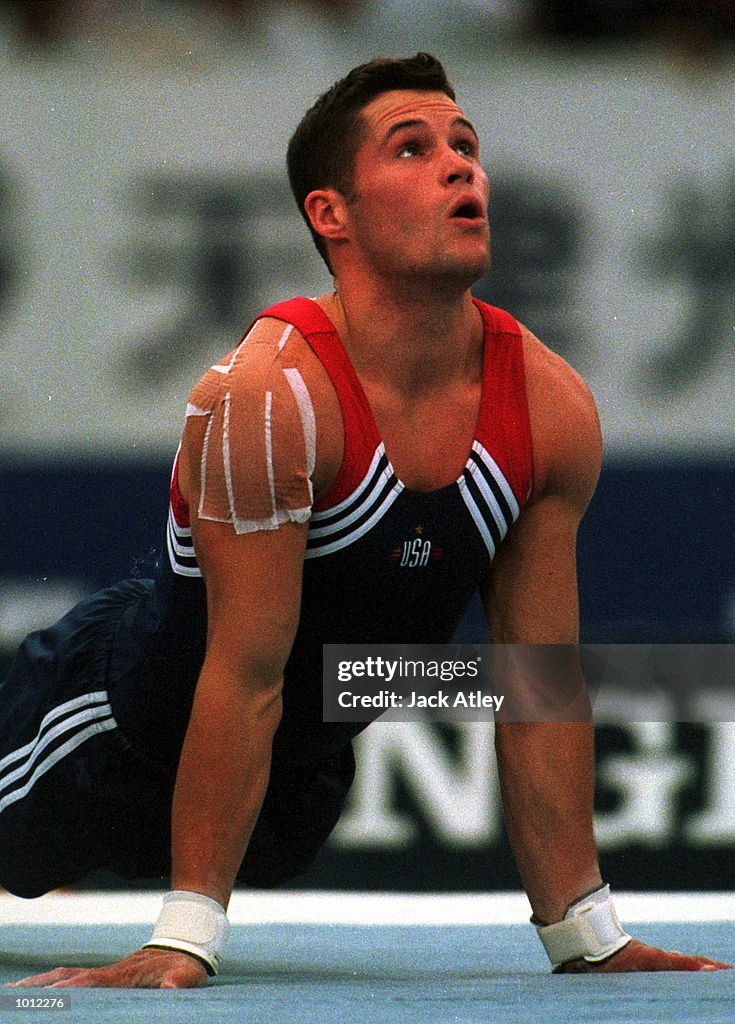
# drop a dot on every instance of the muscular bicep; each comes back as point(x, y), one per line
point(253, 584)
point(530, 594)
point(247, 458)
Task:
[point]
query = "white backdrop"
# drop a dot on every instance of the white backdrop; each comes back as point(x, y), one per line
point(108, 172)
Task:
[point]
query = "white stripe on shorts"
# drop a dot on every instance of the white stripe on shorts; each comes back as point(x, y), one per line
point(89, 715)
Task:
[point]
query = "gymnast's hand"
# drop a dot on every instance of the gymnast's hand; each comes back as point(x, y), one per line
point(148, 968)
point(637, 956)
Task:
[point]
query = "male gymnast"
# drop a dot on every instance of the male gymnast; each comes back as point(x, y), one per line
point(174, 726)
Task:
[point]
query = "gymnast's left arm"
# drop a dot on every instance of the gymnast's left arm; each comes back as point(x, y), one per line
point(545, 745)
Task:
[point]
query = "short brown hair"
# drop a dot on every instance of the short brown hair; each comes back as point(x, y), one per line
point(321, 153)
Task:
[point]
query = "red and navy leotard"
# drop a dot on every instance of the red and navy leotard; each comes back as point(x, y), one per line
point(384, 563)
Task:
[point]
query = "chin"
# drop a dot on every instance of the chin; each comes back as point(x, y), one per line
point(466, 272)
point(472, 264)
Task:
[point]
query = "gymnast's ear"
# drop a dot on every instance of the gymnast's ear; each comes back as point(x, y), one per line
point(327, 211)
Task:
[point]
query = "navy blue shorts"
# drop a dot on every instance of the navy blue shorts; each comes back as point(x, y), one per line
point(76, 796)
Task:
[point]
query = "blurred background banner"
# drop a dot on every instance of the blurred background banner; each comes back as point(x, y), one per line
point(145, 218)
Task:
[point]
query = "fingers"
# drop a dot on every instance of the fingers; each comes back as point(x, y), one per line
point(81, 979)
point(46, 980)
point(147, 968)
point(64, 977)
point(648, 958)
point(695, 963)
point(637, 956)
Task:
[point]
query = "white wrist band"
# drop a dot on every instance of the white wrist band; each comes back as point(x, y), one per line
point(194, 924)
point(590, 929)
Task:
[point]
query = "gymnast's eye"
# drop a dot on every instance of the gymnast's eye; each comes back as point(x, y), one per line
point(467, 147)
point(409, 149)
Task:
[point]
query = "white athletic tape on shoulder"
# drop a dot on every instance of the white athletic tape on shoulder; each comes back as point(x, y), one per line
point(194, 924)
point(590, 929)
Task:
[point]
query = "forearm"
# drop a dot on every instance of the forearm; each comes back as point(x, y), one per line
point(221, 782)
point(547, 784)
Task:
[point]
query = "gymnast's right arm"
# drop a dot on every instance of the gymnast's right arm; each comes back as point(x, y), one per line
point(253, 592)
point(247, 478)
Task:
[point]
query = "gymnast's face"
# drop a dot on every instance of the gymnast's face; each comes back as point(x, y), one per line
point(419, 200)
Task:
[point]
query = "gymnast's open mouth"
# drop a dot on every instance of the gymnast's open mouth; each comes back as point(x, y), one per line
point(467, 208)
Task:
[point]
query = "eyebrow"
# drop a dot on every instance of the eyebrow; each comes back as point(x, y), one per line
point(420, 123)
